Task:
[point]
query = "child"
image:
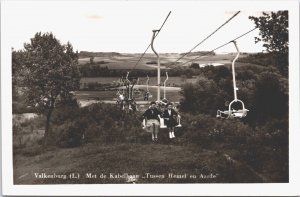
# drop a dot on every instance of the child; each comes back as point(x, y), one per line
point(170, 116)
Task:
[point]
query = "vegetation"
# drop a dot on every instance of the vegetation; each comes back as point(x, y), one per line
point(114, 143)
point(48, 72)
point(274, 34)
point(87, 54)
point(98, 70)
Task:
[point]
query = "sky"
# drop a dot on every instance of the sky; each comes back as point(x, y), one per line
point(126, 26)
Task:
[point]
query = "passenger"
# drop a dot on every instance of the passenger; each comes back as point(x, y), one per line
point(170, 116)
point(152, 116)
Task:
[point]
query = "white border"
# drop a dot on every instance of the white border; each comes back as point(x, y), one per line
point(291, 188)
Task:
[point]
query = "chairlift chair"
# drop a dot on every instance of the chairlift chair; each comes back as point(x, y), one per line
point(148, 94)
point(178, 121)
point(231, 112)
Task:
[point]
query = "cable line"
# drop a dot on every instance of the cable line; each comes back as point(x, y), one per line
point(207, 37)
point(220, 46)
point(150, 43)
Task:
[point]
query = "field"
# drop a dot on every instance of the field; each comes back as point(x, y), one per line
point(172, 81)
point(128, 61)
point(172, 93)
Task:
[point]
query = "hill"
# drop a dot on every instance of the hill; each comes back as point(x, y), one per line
point(146, 163)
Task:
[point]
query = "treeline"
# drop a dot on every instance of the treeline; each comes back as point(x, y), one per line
point(97, 70)
point(211, 53)
point(87, 54)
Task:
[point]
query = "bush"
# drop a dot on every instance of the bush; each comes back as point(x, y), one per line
point(72, 132)
point(203, 97)
point(27, 132)
point(204, 129)
point(20, 108)
point(97, 122)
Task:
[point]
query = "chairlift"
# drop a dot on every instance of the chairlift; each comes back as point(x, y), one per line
point(120, 94)
point(231, 112)
point(165, 82)
point(147, 93)
point(128, 100)
point(128, 88)
point(178, 121)
point(162, 122)
point(164, 100)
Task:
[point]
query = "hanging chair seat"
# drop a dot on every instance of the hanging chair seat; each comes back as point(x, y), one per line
point(233, 113)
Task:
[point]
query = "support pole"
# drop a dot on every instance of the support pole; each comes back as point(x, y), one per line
point(165, 82)
point(158, 65)
point(129, 83)
point(147, 83)
point(233, 71)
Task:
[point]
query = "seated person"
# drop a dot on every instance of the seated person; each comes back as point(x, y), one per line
point(170, 116)
point(152, 116)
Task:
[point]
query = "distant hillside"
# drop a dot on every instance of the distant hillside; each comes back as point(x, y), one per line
point(88, 54)
point(85, 54)
point(200, 53)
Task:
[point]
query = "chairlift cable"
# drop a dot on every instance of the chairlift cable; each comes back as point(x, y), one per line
point(207, 37)
point(150, 43)
point(220, 46)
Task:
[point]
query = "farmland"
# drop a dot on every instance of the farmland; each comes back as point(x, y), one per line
point(128, 61)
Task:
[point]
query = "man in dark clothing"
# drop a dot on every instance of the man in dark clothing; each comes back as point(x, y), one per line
point(151, 120)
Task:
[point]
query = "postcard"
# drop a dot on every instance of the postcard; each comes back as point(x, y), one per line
point(150, 98)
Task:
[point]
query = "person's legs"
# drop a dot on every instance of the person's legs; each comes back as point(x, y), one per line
point(172, 133)
point(153, 131)
point(156, 131)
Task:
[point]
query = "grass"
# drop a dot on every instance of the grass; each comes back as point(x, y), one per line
point(158, 160)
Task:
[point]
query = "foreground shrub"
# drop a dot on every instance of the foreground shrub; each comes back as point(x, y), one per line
point(203, 129)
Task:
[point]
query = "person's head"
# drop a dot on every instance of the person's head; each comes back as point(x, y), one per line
point(169, 105)
point(152, 105)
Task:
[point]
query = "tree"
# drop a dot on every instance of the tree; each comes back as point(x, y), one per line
point(270, 97)
point(16, 73)
point(50, 73)
point(195, 65)
point(92, 60)
point(274, 33)
point(202, 97)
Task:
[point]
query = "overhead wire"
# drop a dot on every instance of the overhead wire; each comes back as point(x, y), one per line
point(207, 37)
point(150, 43)
point(219, 46)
